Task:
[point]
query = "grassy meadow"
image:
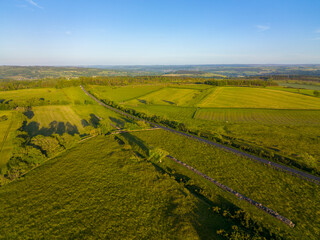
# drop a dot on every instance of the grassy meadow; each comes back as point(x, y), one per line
point(109, 193)
point(290, 196)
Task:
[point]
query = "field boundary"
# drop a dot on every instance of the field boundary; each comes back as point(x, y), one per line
point(277, 166)
point(239, 195)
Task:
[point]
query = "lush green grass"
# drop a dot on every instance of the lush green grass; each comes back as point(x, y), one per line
point(290, 196)
point(278, 117)
point(101, 190)
point(7, 129)
point(45, 115)
point(168, 96)
point(245, 97)
point(25, 95)
point(122, 93)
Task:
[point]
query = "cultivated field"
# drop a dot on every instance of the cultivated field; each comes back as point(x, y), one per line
point(266, 116)
point(244, 97)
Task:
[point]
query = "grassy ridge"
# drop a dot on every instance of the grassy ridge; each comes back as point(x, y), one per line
point(108, 193)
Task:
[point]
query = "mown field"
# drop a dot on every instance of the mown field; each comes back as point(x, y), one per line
point(7, 128)
point(245, 97)
point(102, 190)
point(46, 95)
point(290, 196)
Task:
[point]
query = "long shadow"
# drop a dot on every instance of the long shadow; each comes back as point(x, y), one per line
point(33, 128)
point(94, 120)
point(119, 122)
point(2, 100)
point(171, 103)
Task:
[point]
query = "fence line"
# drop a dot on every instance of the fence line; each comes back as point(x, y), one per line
point(239, 195)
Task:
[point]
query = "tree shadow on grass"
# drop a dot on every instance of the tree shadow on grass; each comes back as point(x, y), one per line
point(33, 128)
point(29, 114)
point(120, 122)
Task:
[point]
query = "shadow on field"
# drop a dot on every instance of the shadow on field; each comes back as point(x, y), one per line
point(120, 122)
point(33, 128)
point(171, 103)
point(205, 221)
point(29, 113)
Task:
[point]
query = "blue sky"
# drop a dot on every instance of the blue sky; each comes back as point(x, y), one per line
point(83, 32)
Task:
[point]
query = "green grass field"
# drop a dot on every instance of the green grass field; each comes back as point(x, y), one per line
point(7, 129)
point(290, 196)
point(108, 194)
point(48, 94)
point(124, 93)
point(244, 97)
point(168, 96)
point(45, 115)
point(266, 116)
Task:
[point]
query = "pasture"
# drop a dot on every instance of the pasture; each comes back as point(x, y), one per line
point(245, 97)
point(100, 189)
point(290, 196)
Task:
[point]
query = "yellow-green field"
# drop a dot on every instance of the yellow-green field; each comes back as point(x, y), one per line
point(45, 115)
point(7, 129)
point(122, 93)
point(168, 96)
point(245, 97)
point(18, 96)
point(268, 116)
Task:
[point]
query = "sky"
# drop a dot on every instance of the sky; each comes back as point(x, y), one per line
point(159, 32)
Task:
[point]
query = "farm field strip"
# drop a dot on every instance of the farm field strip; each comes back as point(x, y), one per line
point(245, 97)
point(298, 173)
point(284, 117)
point(125, 93)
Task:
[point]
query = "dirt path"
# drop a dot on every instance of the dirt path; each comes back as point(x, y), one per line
point(296, 172)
